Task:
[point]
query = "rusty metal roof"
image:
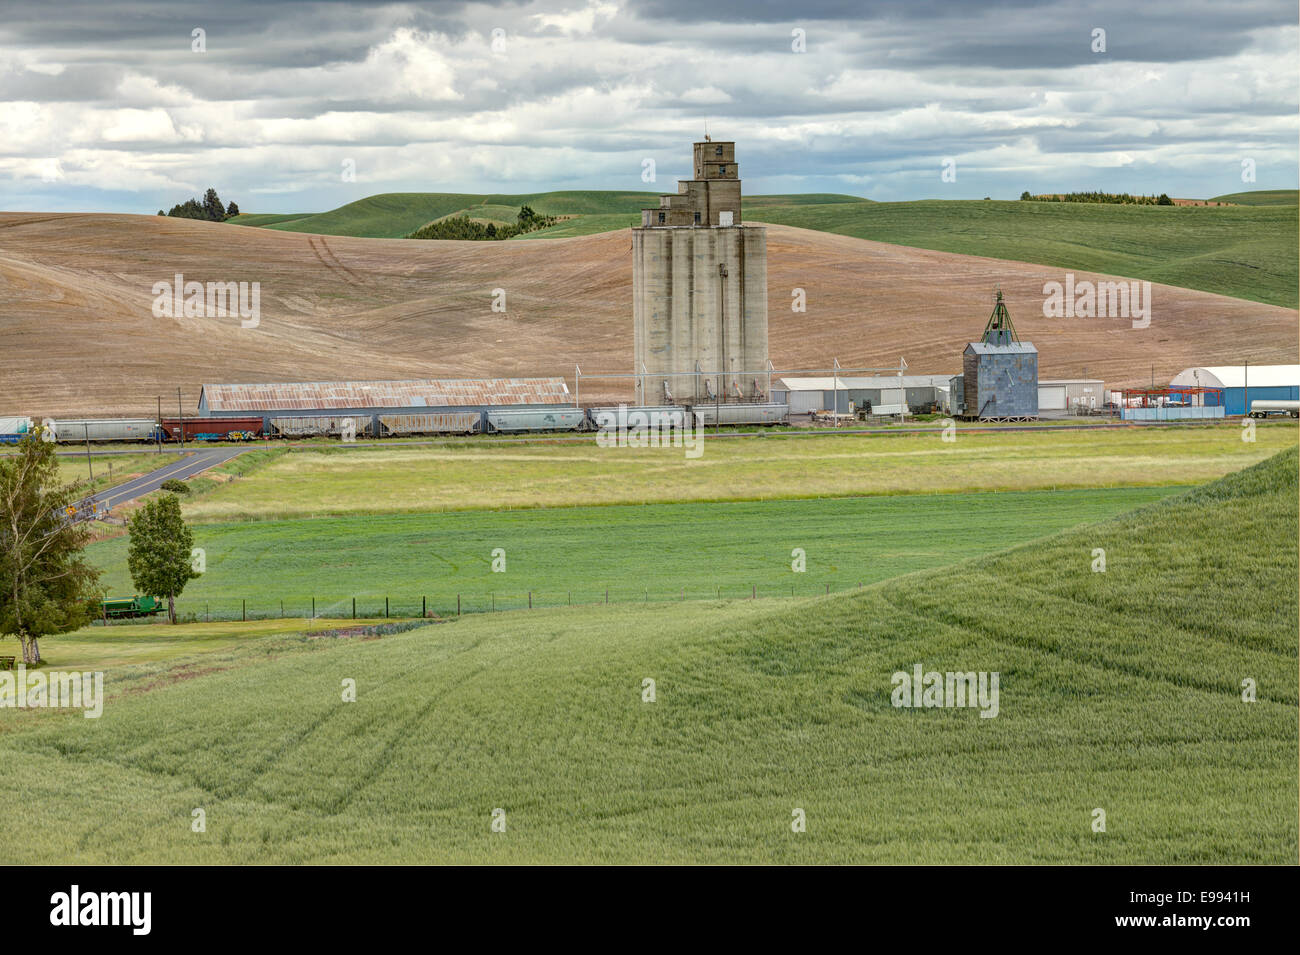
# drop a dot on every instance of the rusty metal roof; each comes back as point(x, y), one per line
point(419, 393)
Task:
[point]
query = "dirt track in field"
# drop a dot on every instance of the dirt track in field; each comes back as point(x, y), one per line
point(79, 336)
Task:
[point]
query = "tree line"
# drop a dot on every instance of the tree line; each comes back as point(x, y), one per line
point(210, 208)
point(1117, 198)
point(463, 227)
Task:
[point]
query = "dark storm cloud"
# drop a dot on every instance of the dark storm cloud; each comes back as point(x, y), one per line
point(111, 91)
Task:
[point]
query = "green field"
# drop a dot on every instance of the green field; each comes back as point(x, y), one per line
point(658, 552)
point(1250, 250)
point(1262, 197)
point(395, 215)
point(476, 475)
point(1119, 690)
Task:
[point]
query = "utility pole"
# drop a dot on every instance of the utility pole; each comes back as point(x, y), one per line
point(180, 413)
point(86, 428)
point(157, 432)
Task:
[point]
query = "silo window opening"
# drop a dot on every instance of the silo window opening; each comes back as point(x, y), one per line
point(722, 170)
point(697, 218)
point(717, 150)
point(661, 218)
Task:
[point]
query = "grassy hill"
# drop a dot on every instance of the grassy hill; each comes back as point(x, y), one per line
point(1248, 251)
point(394, 215)
point(1243, 251)
point(1118, 690)
point(1262, 197)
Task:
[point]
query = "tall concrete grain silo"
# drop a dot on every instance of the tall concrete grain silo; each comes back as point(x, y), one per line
point(699, 290)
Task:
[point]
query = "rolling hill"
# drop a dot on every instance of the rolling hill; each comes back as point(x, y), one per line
point(395, 215)
point(1262, 197)
point(1250, 250)
point(80, 336)
point(1119, 691)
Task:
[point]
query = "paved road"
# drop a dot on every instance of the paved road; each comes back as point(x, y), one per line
point(180, 469)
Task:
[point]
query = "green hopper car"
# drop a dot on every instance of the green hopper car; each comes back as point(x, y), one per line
point(136, 606)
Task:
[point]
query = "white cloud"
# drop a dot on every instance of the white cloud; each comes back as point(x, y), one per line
point(706, 94)
point(577, 22)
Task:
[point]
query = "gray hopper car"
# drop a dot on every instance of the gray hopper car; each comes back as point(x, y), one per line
point(314, 426)
point(70, 430)
point(742, 413)
point(450, 422)
point(538, 419)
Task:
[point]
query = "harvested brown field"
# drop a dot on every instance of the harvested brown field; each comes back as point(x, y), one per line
point(76, 295)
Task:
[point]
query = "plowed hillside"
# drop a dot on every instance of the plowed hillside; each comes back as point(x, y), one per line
point(79, 335)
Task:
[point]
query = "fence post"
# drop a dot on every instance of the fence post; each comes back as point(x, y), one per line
point(424, 606)
point(281, 608)
point(354, 608)
point(313, 608)
point(753, 592)
point(458, 605)
point(385, 608)
point(494, 601)
point(530, 600)
point(570, 598)
point(243, 612)
point(607, 595)
point(828, 590)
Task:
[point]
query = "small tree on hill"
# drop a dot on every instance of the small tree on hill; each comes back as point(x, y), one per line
point(159, 555)
point(46, 587)
point(232, 210)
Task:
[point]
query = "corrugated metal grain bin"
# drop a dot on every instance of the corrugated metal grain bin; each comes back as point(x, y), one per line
point(103, 429)
point(552, 419)
point(311, 426)
point(452, 422)
point(742, 413)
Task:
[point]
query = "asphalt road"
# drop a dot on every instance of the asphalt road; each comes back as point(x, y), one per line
point(180, 469)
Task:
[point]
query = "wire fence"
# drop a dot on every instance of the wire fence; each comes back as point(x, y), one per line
point(442, 606)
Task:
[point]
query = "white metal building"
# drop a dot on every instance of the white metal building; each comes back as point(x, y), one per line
point(827, 393)
point(1067, 394)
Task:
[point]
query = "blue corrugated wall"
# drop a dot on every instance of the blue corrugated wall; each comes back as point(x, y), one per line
point(1235, 398)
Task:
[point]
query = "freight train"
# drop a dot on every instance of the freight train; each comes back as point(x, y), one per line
point(351, 426)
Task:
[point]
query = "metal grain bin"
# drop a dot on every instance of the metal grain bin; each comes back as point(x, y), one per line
point(742, 413)
point(103, 429)
point(552, 419)
point(451, 422)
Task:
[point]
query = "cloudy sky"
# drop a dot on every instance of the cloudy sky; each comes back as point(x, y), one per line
point(112, 106)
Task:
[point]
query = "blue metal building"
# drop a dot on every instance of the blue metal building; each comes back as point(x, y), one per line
point(1241, 383)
